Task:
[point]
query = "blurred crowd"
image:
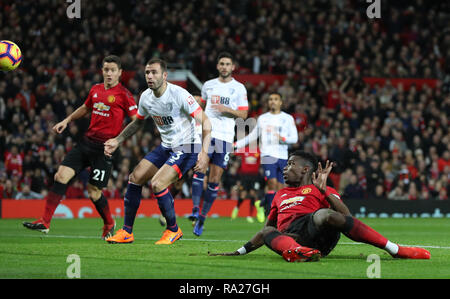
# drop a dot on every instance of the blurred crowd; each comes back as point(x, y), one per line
point(388, 141)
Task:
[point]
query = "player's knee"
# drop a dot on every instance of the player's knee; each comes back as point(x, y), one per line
point(267, 231)
point(60, 177)
point(328, 217)
point(94, 192)
point(157, 185)
point(135, 179)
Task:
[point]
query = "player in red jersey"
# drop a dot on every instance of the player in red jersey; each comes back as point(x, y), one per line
point(307, 217)
point(109, 103)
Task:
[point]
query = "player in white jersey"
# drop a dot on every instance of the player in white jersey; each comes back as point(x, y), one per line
point(276, 130)
point(225, 100)
point(175, 112)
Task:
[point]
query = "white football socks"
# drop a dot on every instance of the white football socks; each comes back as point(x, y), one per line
point(392, 248)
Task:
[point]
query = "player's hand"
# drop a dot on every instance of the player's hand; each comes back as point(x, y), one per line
point(60, 127)
point(110, 146)
point(223, 253)
point(202, 162)
point(319, 177)
point(279, 138)
point(220, 108)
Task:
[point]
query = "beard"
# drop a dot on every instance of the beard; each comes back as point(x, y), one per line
point(225, 75)
point(156, 85)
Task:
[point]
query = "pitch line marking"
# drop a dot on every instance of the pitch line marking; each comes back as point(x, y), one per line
point(202, 240)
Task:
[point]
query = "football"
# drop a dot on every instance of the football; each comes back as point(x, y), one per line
point(10, 56)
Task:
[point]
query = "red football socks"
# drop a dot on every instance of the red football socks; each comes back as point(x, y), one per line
point(360, 232)
point(51, 204)
point(281, 243)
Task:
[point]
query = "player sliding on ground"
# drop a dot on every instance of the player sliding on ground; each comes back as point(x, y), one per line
point(307, 218)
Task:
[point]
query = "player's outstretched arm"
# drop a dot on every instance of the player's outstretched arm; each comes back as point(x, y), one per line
point(112, 144)
point(254, 243)
point(79, 113)
point(229, 111)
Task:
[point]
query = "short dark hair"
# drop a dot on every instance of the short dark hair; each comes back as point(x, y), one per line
point(159, 61)
point(277, 93)
point(113, 58)
point(308, 157)
point(225, 55)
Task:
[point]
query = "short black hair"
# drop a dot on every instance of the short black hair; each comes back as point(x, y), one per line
point(159, 61)
point(225, 55)
point(113, 58)
point(310, 158)
point(277, 93)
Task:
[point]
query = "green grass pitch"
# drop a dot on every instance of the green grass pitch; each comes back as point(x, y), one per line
point(28, 254)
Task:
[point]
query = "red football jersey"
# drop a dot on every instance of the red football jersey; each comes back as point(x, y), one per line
point(292, 202)
point(250, 161)
point(109, 109)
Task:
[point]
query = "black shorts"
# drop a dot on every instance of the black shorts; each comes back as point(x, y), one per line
point(252, 182)
point(310, 236)
point(90, 154)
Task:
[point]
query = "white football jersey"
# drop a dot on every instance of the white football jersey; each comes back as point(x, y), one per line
point(232, 94)
point(269, 144)
point(173, 114)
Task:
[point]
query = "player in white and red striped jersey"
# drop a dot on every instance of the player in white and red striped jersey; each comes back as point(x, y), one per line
point(276, 130)
point(175, 113)
point(225, 100)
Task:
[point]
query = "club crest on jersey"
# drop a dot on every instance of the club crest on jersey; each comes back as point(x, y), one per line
point(111, 99)
point(306, 191)
point(190, 100)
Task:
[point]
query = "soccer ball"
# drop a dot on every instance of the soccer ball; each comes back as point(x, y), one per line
point(10, 56)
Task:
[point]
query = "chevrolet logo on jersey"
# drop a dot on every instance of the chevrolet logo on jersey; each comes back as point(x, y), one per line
point(101, 106)
point(290, 202)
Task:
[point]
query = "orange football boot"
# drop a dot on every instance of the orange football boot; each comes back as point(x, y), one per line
point(121, 237)
point(169, 237)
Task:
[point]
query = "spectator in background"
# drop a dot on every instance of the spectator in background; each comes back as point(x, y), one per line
point(9, 190)
point(398, 194)
point(14, 162)
point(76, 190)
point(336, 44)
point(379, 192)
point(444, 161)
point(354, 190)
point(374, 176)
point(26, 193)
point(112, 191)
